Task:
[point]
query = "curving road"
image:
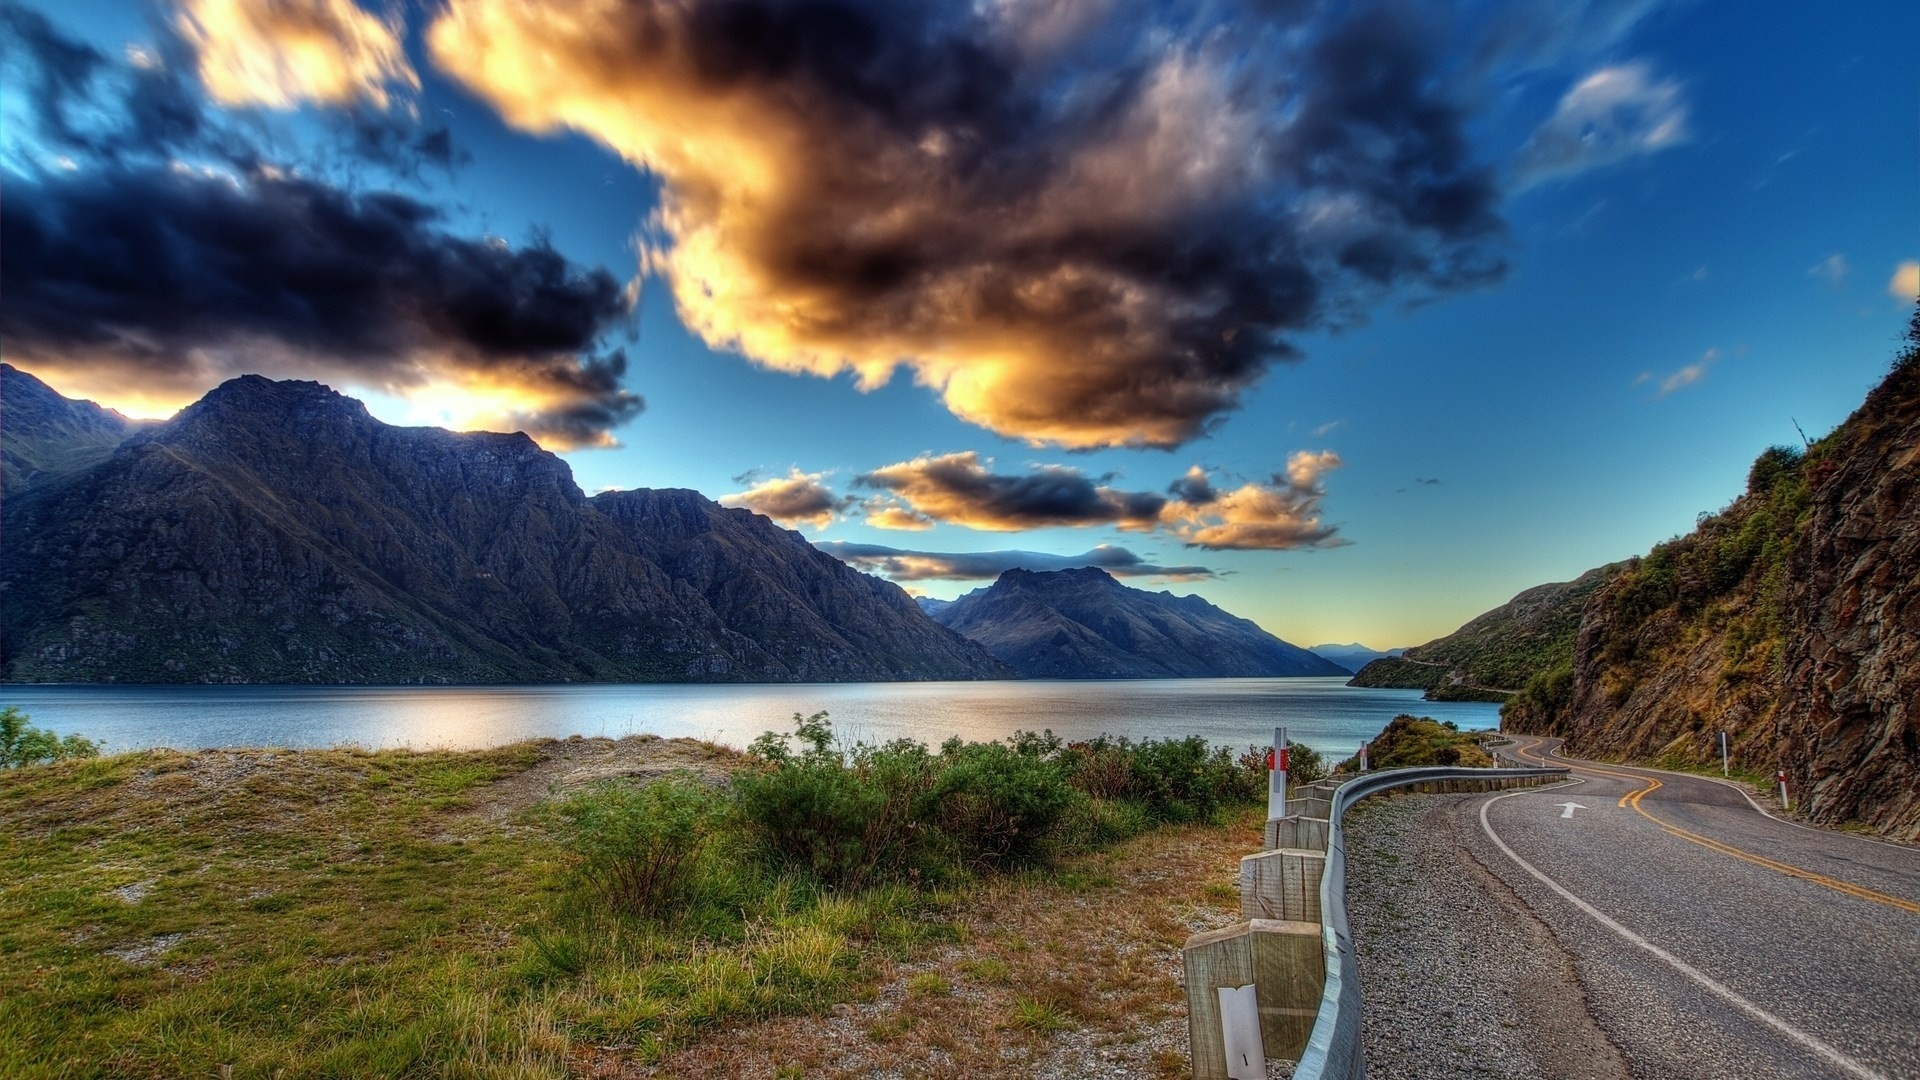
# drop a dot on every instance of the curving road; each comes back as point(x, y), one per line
point(1712, 939)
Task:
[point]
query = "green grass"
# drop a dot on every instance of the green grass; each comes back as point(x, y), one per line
point(350, 913)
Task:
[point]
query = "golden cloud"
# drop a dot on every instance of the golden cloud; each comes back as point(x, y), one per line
point(959, 489)
point(795, 499)
point(1905, 284)
point(1084, 252)
point(281, 53)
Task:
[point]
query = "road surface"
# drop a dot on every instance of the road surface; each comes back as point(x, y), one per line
point(1711, 939)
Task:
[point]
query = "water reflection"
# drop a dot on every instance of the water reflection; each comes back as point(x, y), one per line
point(1324, 712)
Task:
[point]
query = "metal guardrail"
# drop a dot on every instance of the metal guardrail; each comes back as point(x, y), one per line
point(1333, 1050)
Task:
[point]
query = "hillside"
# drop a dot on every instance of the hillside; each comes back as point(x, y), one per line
point(1082, 624)
point(1791, 620)
point(1498, 652)
point(276, 532)
point(44, 436)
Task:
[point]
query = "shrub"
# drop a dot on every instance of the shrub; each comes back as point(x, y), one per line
point(641, 848)
point(848, 818)
point(995, 804)
point(23, 744)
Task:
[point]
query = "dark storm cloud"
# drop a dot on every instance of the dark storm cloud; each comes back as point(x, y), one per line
point(961, 490)
point(171, 276)
point(795, 499)
point(1084, 229)
point(902, 565)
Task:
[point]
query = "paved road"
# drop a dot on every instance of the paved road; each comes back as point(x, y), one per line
point(1713, 940)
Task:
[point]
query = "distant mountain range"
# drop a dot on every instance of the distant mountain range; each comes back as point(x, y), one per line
point(1082, 624)
point(276, 532)
point(1353, 656)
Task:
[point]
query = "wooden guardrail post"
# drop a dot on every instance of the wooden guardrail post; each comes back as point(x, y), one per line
point(1284, 963)
point(1297, 832)
point(1282, 884)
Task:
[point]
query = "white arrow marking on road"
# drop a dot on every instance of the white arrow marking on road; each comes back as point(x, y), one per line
point(1570, 808)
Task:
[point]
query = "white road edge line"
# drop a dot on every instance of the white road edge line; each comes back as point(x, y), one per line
point(1819, 1048)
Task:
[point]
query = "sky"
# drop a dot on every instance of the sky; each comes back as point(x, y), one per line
point(1355, 319)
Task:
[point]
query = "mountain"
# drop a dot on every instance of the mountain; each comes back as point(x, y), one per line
point(44, 436)
point(276, 532)
point(1082, 624)
point(1353, 656)
point(1494, 654)
point(1790, 620)
point(931, 606)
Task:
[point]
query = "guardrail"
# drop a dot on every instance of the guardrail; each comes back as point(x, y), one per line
point(1333, 1048)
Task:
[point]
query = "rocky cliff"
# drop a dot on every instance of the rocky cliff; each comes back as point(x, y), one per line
point(1496, 653)
point(1790, 620)
point(1082, 624)
point(276, 532)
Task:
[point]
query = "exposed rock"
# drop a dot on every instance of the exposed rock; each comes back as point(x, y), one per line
point(1082, 624)
point(276, 532)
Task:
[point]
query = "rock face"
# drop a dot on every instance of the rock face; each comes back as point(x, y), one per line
point(1791, 620)
point(275, 532)
point(1498, 652)
point(1082, 624)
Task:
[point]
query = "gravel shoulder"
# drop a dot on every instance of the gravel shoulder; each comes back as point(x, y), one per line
point(1458, 977)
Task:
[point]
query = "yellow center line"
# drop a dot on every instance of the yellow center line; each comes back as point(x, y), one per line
point(1632, 799)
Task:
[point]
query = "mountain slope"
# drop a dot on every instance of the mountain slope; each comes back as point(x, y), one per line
point(1498, 652)
point(44, 435)
point(1790, 620)
point(275, 532)
point(1082, 624)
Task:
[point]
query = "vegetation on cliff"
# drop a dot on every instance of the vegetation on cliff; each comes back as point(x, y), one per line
point(551, 908)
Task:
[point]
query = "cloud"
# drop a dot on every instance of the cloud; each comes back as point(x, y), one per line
point(1905, 284)
point(961, 490)
point(1832, 269)
point(885, 515)
point(1194, 488)
point(1079, 226)
point(282, 53)
point(901, 565)
point(1614, 114)
point(145, 285)
point(1328, 428)
point(795, 499)
point(1681, 379)
point(1280, 516)
point(1429, 481)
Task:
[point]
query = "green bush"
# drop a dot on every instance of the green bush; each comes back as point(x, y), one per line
point(641, 848)
point(995, 804)
point(849, 818)
point(23, 744)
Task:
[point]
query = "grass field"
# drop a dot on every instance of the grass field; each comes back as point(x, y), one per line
point(339, 912)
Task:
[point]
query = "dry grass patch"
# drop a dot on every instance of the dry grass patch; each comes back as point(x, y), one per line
point(1055, 974)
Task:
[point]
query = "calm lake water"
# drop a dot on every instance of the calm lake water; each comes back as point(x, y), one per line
point(1324, 713)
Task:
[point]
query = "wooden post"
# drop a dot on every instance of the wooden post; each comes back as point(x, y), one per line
point(1283, 884)
point(1297, 832)
point(1285, 963)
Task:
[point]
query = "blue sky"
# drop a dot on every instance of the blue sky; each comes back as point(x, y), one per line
point(1700, 214)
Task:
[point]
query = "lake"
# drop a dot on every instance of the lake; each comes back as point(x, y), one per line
point(1322, 712)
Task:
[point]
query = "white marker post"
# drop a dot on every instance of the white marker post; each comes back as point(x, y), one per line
point(1277, 775)
point(1723, 753)
point(1782, 777)
point(1363, 757)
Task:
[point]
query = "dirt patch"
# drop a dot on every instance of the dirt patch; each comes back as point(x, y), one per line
point(569, 764)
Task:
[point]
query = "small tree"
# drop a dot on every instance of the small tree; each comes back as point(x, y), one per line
point(23, 744)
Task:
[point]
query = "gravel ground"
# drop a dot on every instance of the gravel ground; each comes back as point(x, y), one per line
point(1458, 978)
